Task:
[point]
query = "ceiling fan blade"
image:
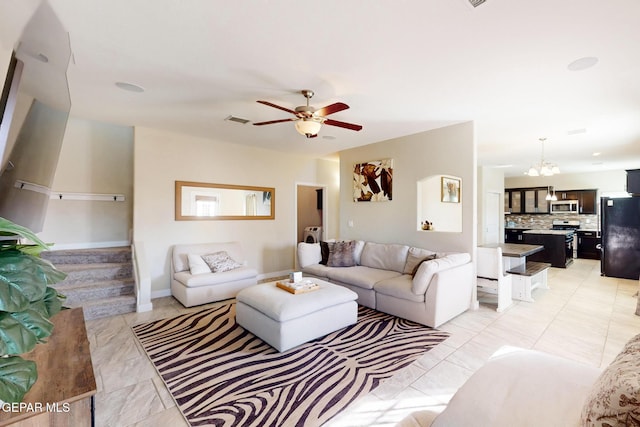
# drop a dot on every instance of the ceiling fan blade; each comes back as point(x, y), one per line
point(330, 109)
point(270, 122)
point(342, 124)
point(277, 106)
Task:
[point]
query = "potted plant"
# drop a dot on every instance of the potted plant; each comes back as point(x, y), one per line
point(27, 301)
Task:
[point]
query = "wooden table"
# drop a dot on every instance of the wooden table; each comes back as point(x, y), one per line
point(526, 275)
point(63, 393)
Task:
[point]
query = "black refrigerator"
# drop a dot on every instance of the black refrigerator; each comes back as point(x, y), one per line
point(620, 230)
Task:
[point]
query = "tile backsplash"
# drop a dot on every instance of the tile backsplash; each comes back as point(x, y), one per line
point(587, 222)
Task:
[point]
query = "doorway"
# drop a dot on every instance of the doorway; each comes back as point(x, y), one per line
point(311, 209)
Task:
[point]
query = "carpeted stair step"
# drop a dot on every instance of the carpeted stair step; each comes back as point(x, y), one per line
point(121, 254)
point(113, 306)
point(98, 280)
point(83, 273)
point(77, 293)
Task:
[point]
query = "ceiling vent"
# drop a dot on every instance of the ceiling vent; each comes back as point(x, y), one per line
point(237, 120)
point(476, 3)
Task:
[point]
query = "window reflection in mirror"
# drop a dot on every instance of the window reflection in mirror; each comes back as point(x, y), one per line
point(205, 201)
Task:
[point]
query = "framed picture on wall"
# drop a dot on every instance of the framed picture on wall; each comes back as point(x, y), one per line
point(373, 181)
point(450, 189)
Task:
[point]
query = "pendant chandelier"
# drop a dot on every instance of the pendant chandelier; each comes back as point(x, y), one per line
point(543, 168)
point(551, 197)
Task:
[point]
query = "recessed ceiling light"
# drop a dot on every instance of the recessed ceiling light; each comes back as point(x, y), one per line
point(129, 87)
point(583, 63)
point(596, 154)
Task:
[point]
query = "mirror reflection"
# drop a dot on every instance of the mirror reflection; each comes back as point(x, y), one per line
point(205, 201)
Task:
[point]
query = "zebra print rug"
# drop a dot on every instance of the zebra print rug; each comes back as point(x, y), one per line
point(222, 375)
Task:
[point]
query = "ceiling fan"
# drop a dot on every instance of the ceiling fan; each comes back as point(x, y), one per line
point(308, 120)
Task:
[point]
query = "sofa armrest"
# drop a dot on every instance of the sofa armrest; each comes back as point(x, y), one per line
point(428, 269)
point(519, 387)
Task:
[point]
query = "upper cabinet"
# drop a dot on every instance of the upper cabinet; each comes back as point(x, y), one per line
point(526, 200)
point(587, 199)
point(533, 200)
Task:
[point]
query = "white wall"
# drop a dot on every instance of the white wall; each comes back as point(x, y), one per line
point(163, 157)
point(95, 158)
point(605, 181)
point(490, 180)
point(449, 151)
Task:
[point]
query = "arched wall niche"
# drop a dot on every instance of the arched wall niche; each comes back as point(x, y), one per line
point(439, 202)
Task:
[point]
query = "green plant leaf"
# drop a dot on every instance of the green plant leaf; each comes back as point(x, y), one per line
point(52, 301)
point(9, 228)
point(35, 322)
point(15, 338)
point(16, 378)
point(25, 274)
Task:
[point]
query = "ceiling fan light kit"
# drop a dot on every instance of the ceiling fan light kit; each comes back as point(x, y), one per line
point(308, 120)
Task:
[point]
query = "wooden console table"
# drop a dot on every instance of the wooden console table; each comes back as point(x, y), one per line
point(63, 394)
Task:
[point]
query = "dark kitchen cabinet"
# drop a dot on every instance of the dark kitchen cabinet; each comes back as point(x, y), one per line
point(588, 242)
point(514, 235)
point(530, 200)
point(633, 181)
point(555, 249)
point(587, 199)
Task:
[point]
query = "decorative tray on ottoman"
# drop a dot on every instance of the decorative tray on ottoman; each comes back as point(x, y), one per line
point(299, 287)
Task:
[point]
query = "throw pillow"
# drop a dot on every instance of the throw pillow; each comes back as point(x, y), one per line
point(220, 262)
point(341, 254)
point(615, 397)
point(197, 264)
point(415, 269)
point(414, 256)
point(324, 251)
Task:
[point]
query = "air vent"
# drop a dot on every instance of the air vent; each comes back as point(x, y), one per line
point(476, 3)
point(237, 120)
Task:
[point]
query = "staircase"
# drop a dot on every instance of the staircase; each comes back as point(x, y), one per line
point(98, 280)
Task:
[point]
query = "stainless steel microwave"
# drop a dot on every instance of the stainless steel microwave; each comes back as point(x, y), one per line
point(565, 207)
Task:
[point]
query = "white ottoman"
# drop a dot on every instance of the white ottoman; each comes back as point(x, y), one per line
point(285, 320)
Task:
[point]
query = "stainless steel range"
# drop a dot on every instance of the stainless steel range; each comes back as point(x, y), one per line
point(572, 225)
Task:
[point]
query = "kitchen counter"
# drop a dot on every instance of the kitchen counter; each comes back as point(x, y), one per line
point(547, 231)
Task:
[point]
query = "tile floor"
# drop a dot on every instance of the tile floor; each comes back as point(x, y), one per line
point(583, 317)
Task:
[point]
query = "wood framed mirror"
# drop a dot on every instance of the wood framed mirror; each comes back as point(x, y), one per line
point(198, 201)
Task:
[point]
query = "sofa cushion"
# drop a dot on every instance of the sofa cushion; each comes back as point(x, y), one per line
point(220, 262)
point(357, 252)
point(208, 279)
point(341, 254)
point(324, 252)
point(360, 276)
point(308, 254)
point(518, 387)
point(384, 256)
point(614, 399)
point(317, 270)
point(197, 264)
point(398, 287)
point(427, 269)
point(414, 257)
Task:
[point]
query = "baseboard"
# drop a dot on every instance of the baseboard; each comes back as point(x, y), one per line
point(161, 293)
point(89, 245)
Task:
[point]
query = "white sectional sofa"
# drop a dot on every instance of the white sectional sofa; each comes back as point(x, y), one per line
point(521, 387)
point(381, 275)
point(192, 284)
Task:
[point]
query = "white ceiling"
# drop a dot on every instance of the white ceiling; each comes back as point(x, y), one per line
point(403, 67)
